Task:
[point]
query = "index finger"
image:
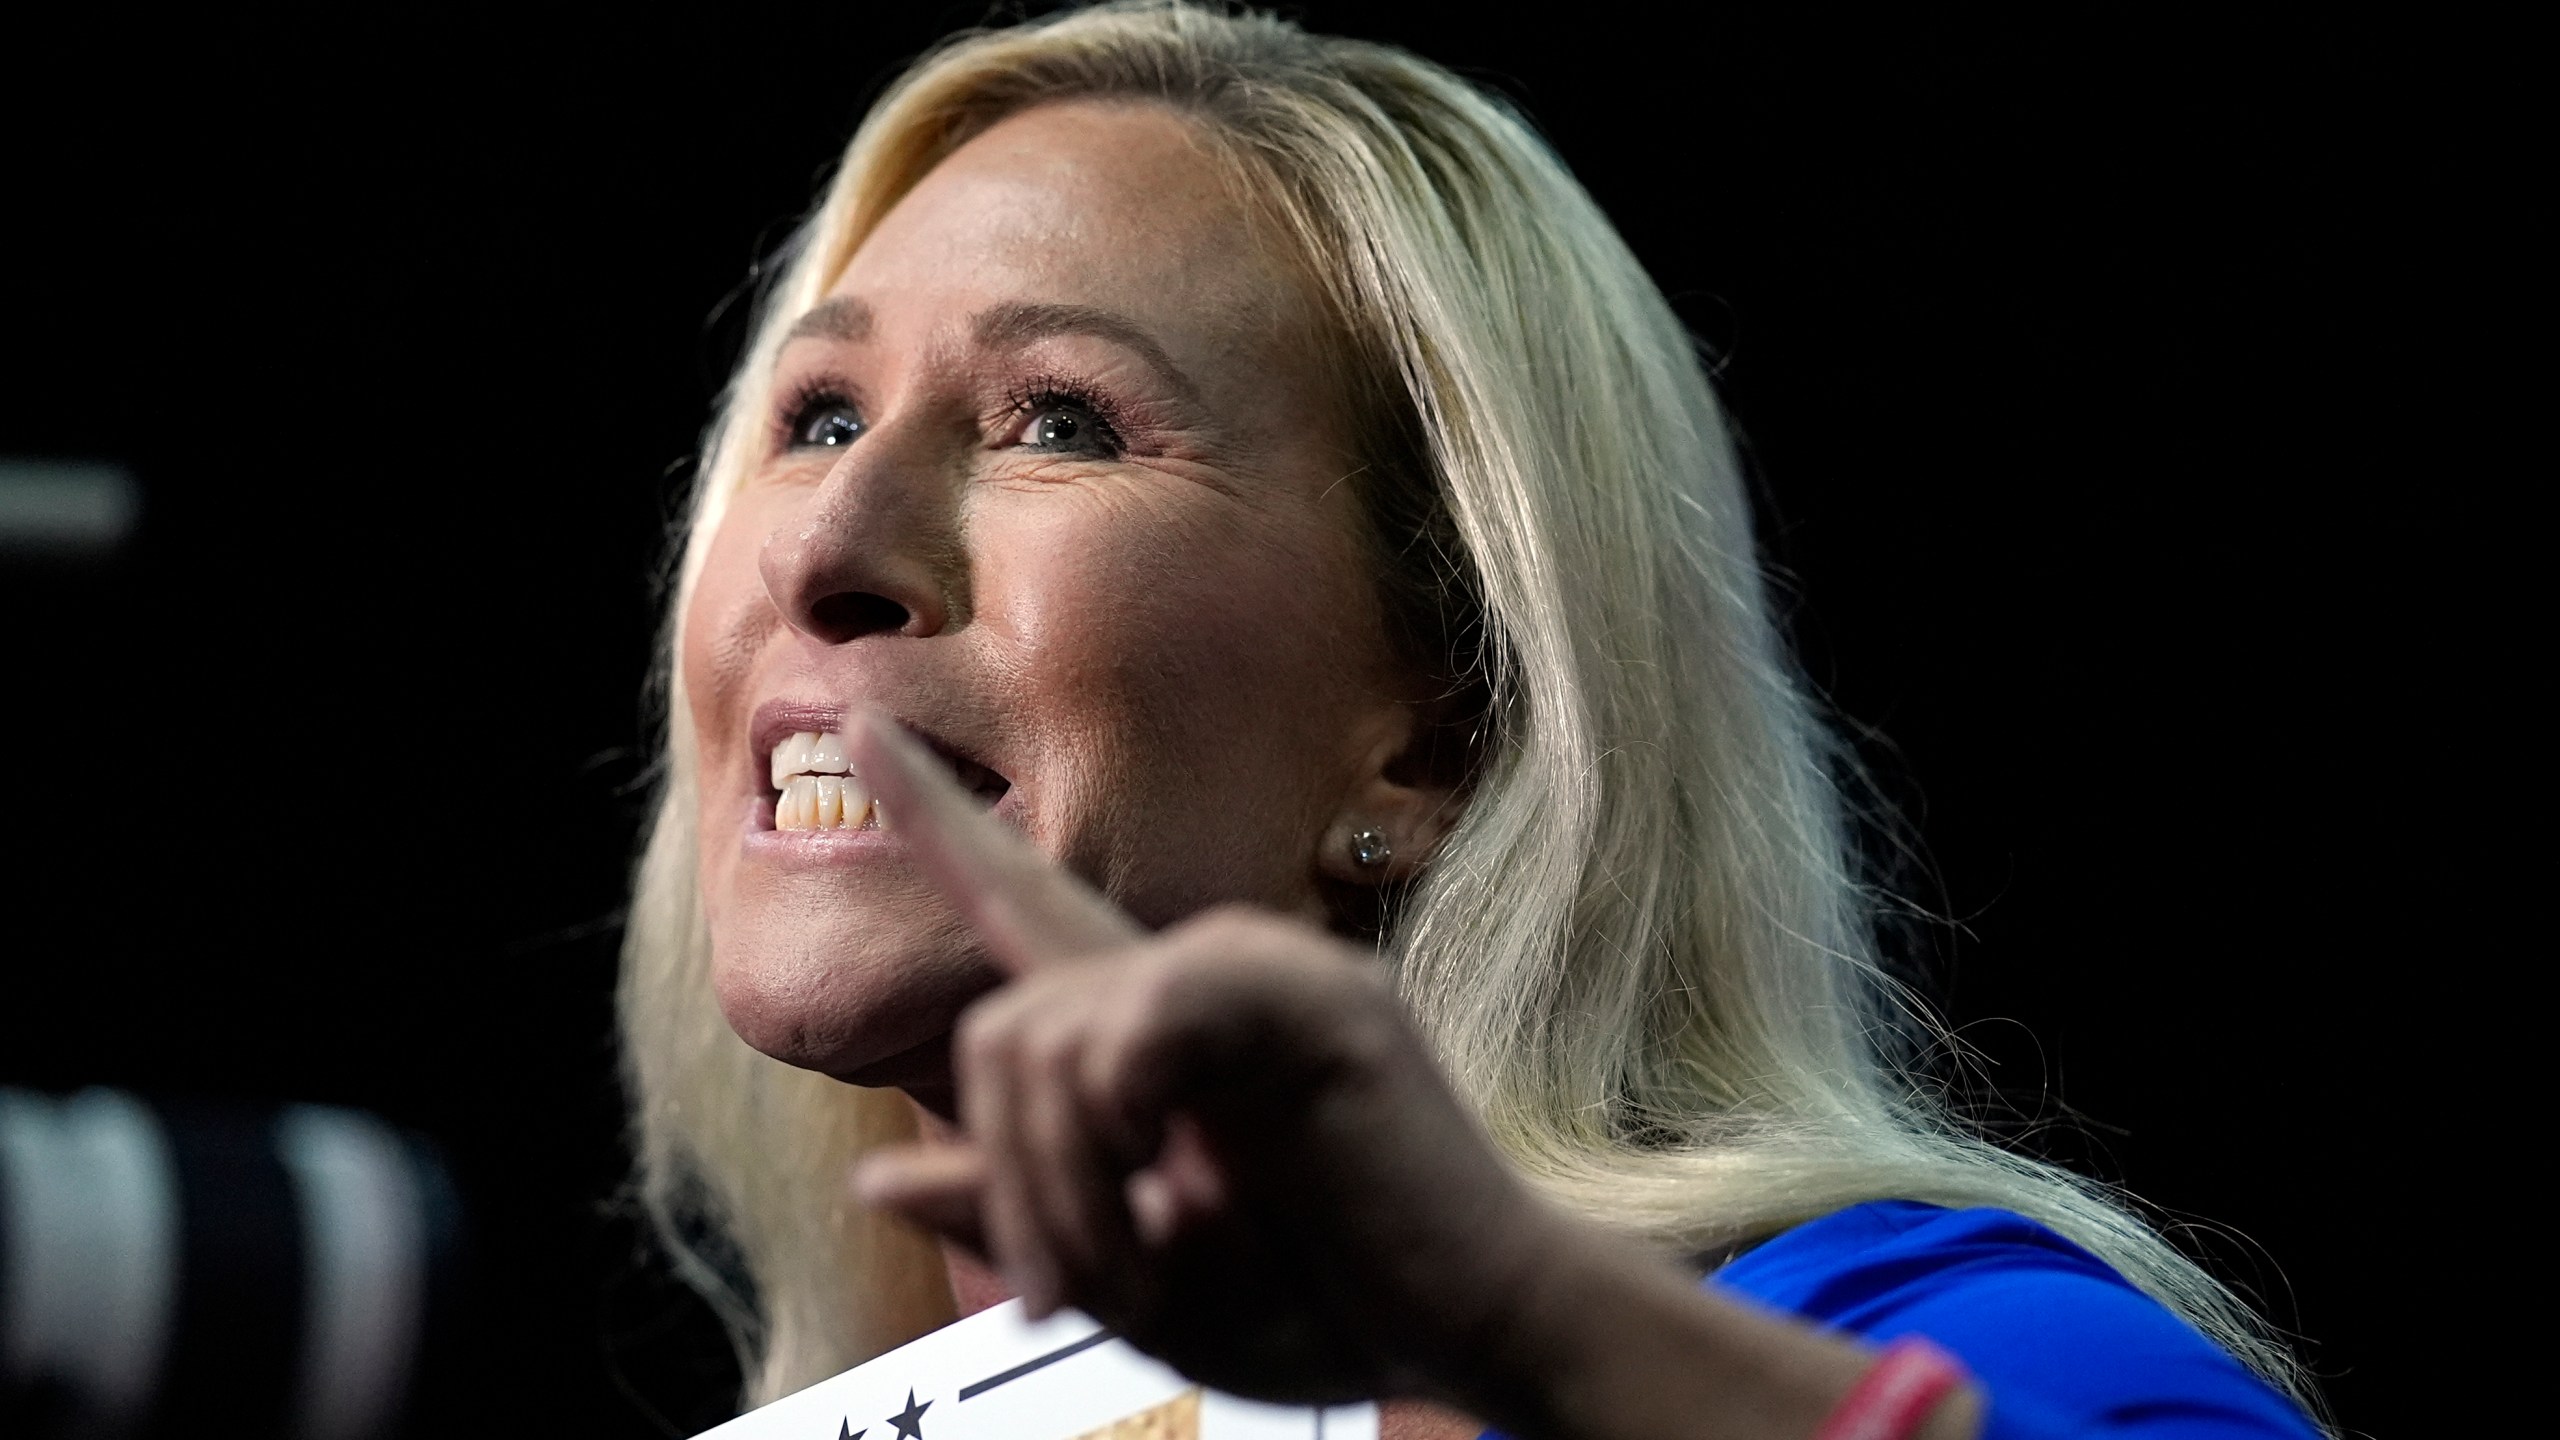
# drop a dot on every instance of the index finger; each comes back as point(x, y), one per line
point(1027, 908)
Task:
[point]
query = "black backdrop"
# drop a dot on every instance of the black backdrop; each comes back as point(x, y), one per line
point(2054, 343)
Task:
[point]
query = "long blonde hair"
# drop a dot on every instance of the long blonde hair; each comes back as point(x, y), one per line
point(1644, 954)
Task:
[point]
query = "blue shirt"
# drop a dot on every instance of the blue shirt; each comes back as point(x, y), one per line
point(2059, 1343)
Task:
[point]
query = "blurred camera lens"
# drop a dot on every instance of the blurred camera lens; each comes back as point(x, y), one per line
point(180, 1268)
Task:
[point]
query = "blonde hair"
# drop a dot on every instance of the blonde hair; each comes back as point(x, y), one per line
point(1644, 954)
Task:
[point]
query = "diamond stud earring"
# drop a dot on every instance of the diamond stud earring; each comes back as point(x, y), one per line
point(1369, 849)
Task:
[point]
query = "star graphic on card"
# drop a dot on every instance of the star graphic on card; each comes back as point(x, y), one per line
point(910, 1421)
point(845, 1431)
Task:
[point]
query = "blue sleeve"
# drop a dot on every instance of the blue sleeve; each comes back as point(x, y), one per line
point(2061, 1345)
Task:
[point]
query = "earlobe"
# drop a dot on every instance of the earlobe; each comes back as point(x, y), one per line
point(1403, 803)
point(1386, 841)
point(1353, 852)
point(1370, 848)
point(1360, 852)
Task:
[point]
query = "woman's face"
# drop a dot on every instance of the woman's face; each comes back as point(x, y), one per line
point(1056, 475)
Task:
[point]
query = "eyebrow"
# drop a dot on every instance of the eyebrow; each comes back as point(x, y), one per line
point(1022, 322)
point(843, 318)
point(847, 319)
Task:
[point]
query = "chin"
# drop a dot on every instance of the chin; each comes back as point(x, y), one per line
point(863, 1013)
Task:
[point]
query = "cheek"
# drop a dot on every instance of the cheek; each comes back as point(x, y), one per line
point(1187, 612)
point(725, 621)
point(1194, 669)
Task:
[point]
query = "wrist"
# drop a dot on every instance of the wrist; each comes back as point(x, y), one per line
point(1576, 1321)
point(1912, 1391)
point(1529, 1343)
point(1602, 1341)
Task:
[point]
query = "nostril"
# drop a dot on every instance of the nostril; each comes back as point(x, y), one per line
point(852, 614)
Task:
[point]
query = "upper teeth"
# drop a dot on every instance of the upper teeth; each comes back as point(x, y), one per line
point(808, 753)
point(819, 792)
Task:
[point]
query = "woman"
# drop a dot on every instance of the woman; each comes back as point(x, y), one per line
point(1219, 681)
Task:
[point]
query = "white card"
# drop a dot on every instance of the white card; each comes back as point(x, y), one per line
point(995, 1376)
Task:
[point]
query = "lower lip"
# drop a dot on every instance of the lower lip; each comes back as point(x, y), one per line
point(817, 847)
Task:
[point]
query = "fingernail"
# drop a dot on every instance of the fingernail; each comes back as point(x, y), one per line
point(1151, 1207)
point(869, 1183)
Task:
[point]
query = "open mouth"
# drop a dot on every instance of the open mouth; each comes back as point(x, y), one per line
point(813, 788)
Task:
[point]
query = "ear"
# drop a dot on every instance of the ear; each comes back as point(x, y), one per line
point(1408, 788)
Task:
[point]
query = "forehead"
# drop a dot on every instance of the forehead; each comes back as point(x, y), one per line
point(1117, 203)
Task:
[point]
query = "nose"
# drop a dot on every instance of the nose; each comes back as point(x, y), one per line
point(875, 551)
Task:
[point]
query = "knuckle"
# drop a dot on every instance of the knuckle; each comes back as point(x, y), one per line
point(986, 1033)
point(1226, 925)
point(1245, 926)
point(1156, 980)
point(1049, 1051)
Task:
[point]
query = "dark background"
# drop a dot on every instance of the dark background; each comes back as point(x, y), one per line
point(2070, 355)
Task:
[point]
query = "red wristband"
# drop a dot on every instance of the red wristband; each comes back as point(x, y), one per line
point(1893, 1399)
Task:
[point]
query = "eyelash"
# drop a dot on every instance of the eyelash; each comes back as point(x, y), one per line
point(1048, 392)
point(807, 396)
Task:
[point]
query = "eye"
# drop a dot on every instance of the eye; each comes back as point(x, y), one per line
point(1059, 429)
point(825, 420)
point(1064, 424)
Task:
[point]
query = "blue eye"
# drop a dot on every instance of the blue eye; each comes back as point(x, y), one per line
point(1066, 424)
point(826, 420)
